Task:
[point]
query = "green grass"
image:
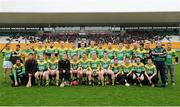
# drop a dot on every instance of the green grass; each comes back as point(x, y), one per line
point(87, 95)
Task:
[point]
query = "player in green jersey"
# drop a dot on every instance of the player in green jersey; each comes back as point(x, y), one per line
point(84, 67)
point(52, 69)
point(126, 73)
point(62, 50)
point(42, 68)
point(51, 49)
point(170, 62)
point(7, 64)
point(110, 52)
point(72, 51)
point(138, 70)
point(26, 52)
point(82, 50)
point(105, 68)
point(94, 66)
point(150, 73)
point(40, 50)
point(119, 53)
point(100, 50)
point(92, 49)
point(75, 67)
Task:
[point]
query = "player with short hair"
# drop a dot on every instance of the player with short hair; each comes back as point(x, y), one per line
point(138, 70)
point(42, 68)
point(151, 73)
point(75, 67)
point(52, 70)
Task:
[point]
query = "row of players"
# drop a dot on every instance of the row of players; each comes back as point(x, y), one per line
point(100, 61)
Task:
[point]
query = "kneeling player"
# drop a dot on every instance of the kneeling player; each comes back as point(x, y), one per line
point(94, 65)
point(52, 70)
point(18, 72)
point(138, 69)
point(105, 71)
point(127, 72)
point(74, 67)
point(84, 68)
point(150, 73)
point(115, 68)
point(42, 68)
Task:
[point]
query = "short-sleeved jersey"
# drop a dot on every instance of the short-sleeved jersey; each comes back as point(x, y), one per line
point(128, 52)
point(53, 64)
point(18, 68)
point(141, 53)
point(74, 64)
point(105, 63)
point(7, 54)
point(138, 68)
point(71, 52)
point(39, 52)
point(62, 51)
point(119, 53)
point(150, 69)
point(171, 54)
point(84, 63)
point(126, 68)
point(110, 53)
point(42, 65)
point(94, 64)
point(100, 52)
point(91, 51)
point(81, 51)
point(115, 68)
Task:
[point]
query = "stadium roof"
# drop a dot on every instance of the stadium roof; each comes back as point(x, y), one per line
point(56, 19)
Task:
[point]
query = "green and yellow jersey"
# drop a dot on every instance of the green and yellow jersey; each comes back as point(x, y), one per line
point(105, 63)
point(62, 51)
point(74, 64)
point(128, 52)
point(91, 51)
point(7, 54)
point(26, 52)
point(138, 67)
point(150, 69)
point(127, 68)
point(53, 64)
point(100, 52)
point(110, 53)
point(141, 53)
point(84, 63)
point(39, 52)
point(170, 58)
point(115, 68)
point(18, 68)
point(71, 52)
point(119, 54)
point(42, 66)
point(81, 51)
point(94, 64)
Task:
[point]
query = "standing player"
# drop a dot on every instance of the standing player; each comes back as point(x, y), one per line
point(151, 73)
point(26, 52)
point(100, 50)
point(51, 50)
point(7, 64)
point(127, 72)
point(42, 68)
point(40, 50)
point(92, 49)
point(110, 52)
point(73, 51)
point(62, 50)
point(94, 66)
point(170, 61)
point(128, 50)
point(138, 69)
point(147, 53)
point(52, 70)
point(119, 53)
point(82, 50)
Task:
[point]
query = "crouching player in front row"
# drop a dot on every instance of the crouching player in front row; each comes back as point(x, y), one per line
point(94, 67)
point(126, 74)
point(150, 73)
point(115, 68)
point(138, 70)
point(105, 69)
point(84, 68)
point(18, 72)
point(42, 68)
point(52, 70)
